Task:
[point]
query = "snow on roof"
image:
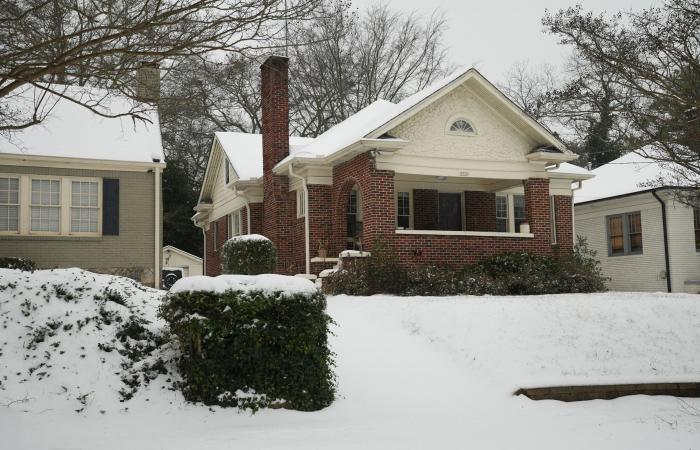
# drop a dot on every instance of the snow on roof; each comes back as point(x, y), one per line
point(73, 131)
point(347, 132)
point(625, 175)
point(573, 169)
point(244, 151)
point(268, 283)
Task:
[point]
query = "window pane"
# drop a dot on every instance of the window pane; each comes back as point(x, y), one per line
point(615, 234)
point(635, 222)
point(519, 211)
point(636, 242)
point(45, 218)
point(501, 225)
point(9, 218)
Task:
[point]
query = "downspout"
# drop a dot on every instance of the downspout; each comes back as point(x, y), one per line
point(156, 275)
point(665, 229)
point(306, 218)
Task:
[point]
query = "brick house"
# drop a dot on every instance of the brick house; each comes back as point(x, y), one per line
point(452, 173)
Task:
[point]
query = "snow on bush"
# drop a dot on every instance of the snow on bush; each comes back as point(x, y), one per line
point(249, 254)
point(73, 340)
point(252, 341)
point(268, 283)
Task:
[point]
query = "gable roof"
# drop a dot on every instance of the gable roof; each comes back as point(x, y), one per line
point(628, 174)
point(244, 151)
point(381, 116)
point(72, 131)
point(182, 252)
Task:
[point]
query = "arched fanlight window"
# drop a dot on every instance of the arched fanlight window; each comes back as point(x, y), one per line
point(462, 126)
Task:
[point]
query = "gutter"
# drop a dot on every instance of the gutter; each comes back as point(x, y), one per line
point(665, 230)
point(156, 274)
point(306, 217)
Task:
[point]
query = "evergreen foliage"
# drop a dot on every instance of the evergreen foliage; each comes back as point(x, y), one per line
point(253, 349)
point(248, 255)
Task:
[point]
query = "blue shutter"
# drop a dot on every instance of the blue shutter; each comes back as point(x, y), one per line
point(110, 207)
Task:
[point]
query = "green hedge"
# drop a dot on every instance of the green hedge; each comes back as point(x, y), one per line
point(17, 263)
point(251, 254)
point(504, 274)
point(253, 349)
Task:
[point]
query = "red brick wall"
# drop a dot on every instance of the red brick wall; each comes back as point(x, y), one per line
point(425, 209)
point(213, 248)
point(480, 210)
point(564, 224)
point(377, 191)
point(320, 224)
point(277, 221)
point(537, 211)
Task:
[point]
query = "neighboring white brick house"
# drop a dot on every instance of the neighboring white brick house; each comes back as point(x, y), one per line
point(606, 211)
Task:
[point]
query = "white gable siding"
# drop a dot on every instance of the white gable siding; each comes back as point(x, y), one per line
point(495, 139)
point(685, 260)
point(224, 200)
point(631, 272)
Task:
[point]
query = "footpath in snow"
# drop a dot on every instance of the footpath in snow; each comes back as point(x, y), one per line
point(413, 373)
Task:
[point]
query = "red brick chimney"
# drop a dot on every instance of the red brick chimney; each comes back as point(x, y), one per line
point(277, 219)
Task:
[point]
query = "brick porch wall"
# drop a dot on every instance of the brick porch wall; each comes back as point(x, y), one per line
point(213, 249)
point(480, 210)
point(425, 209)
point(564, 224)
point(377, 191)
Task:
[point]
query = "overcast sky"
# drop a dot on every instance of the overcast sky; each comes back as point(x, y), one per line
point(493, 34)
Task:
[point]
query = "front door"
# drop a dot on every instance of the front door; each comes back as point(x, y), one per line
point(450, 213)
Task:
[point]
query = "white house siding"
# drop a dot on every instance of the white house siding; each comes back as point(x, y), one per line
point(685, 260)
point(643, 272)
point(495, 139)
point(224, 200)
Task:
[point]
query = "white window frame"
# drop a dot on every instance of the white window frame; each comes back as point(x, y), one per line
point(18, 204)
point(65, 205)
point(458, 117)
point(301, 204)
point(60, 207)
point(410, 208)
point(553, 218)
point(70, 206)
point(235, 224)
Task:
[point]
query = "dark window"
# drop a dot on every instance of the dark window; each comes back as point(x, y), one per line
point(110, 207)
point(519, 211)
point(403, 210)
point(696, 220)
point(353, 227)
point(625, 234)
point(501, 213)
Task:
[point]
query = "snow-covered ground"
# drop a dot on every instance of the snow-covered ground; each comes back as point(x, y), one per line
point(413, 373)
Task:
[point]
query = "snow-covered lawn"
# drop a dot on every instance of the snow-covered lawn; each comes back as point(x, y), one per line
point(413, 373)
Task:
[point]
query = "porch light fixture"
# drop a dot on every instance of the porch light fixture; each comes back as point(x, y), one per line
point(441, 178)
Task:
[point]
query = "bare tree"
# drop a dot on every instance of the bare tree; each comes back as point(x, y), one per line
point(653, 60)
point(101, 42)
point(532, 88)
point(344, 61)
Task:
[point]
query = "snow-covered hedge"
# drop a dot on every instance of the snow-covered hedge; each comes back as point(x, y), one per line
point(250, 254)
point(252, 341)
point(24, 264)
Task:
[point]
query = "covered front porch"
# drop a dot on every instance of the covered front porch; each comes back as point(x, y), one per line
point(448, 219)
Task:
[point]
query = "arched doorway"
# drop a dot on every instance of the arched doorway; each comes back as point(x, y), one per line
point(353, 219)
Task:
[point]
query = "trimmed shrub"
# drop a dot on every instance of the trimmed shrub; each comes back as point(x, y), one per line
point(250, 254)
point(253, 348)
point(17, 263)
point(504, 274)
point(350, 281)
